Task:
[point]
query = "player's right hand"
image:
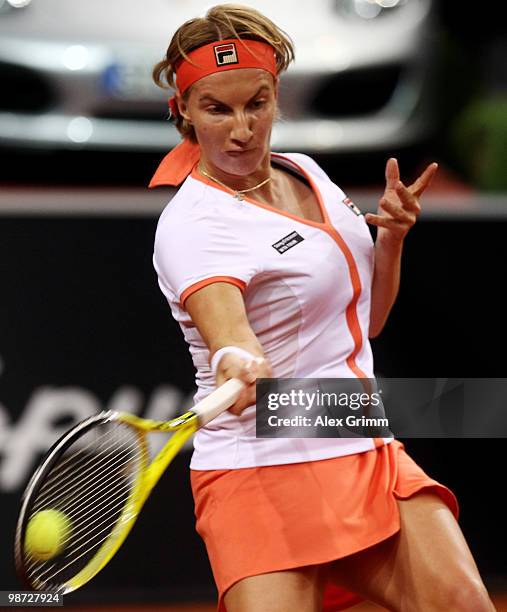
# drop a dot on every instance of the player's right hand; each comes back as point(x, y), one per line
point(233, 366)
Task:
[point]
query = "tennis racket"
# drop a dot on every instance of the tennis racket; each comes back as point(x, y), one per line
point(99, 475)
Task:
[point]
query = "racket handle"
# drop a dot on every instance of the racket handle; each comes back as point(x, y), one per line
point(218, 401)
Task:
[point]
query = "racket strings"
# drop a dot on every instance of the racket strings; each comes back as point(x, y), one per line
point(90, 517)
point(90, 507)
point(93, 450)
point(92, 484)
point(71, 544)
point(70, 560)
point(67, 493)
point(49, 579)
point(92, 504)
point(90, 523)
point(95, 512)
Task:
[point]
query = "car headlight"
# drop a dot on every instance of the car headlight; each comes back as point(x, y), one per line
point(368, 9)
point(7, 5)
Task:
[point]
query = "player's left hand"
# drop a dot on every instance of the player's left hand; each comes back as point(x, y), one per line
point(399, 207)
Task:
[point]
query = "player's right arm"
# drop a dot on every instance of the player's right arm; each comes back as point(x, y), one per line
point(218, 312)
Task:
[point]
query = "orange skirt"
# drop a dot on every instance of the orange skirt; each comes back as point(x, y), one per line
point(266, 519)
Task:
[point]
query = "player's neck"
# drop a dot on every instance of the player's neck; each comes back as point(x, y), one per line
point(259, 182)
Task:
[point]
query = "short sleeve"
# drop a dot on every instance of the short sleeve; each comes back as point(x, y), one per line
point(196, 251)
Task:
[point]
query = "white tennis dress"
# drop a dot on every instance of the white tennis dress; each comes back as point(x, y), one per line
point(306, 287)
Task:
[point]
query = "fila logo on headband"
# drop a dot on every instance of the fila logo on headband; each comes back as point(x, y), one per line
point(226, 54)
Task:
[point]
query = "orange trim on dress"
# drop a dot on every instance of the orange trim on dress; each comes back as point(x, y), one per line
point(199, 177)
point(351, 312)
point(209, 281)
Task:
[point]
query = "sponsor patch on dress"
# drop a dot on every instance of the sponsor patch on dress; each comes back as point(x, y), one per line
point(287, 242)
point(352, 206)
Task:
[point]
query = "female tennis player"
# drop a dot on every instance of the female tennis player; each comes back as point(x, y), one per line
point(271, 272)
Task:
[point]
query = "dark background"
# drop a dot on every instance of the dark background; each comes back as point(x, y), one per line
point(82, 309)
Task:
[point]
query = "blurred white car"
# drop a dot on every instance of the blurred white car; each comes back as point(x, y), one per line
point(77, 74)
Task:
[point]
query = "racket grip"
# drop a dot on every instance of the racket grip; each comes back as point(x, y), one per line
point(218, 401)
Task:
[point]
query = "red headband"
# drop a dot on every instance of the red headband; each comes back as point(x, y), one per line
point(223, 55)
point(229, 54)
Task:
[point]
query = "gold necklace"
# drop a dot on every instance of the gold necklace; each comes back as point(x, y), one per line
point(238, 194)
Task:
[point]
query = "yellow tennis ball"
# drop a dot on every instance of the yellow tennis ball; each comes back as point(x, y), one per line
point(46, 534)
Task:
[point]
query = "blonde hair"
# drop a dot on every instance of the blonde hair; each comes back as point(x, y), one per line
point(221, 22)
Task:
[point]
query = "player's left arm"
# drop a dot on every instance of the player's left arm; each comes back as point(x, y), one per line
point(398, 210)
